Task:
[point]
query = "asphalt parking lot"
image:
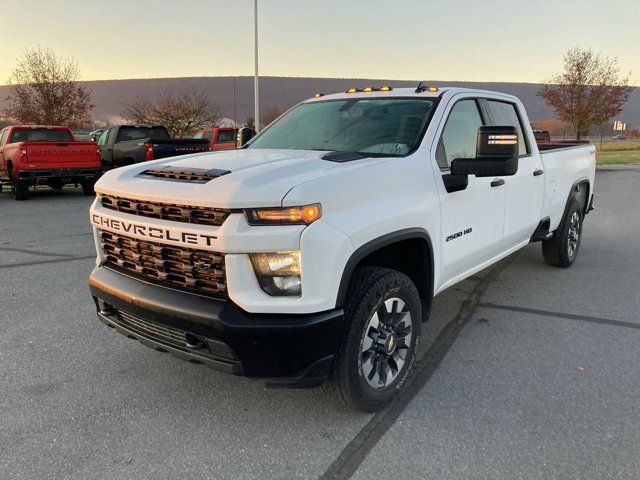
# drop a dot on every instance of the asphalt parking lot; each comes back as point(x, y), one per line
point(528, 371)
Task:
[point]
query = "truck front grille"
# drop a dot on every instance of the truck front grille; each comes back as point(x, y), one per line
point(166, 211)
point(189, 269)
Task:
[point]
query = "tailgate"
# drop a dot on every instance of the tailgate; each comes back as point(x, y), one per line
point(173, 148)
point(62, 155)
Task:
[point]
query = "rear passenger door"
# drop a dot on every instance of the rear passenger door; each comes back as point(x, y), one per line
point(525, 189)
point(472, 219)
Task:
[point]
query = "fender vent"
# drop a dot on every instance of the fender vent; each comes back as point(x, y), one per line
point(178, 174)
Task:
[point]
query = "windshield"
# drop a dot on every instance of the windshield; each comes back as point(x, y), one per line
point(41, 135)
point(384, 126)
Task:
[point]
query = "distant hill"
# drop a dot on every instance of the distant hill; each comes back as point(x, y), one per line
point(110, 96)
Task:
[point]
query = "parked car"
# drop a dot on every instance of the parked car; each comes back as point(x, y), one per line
point(220, 138)
point(126, 144)
point(620, 136)
point(82, 136)
point(320, 245)
point(95, 135)
point(46, 155)
point(542, 135)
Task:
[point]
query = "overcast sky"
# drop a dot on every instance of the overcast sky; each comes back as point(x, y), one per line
point(510, 40)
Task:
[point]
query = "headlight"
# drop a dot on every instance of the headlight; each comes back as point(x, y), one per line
point(278, 273)
point(284, 216)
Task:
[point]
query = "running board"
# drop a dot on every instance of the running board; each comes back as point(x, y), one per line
point(542, 232)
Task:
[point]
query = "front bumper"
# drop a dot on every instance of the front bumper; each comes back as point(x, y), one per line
point(286, 350)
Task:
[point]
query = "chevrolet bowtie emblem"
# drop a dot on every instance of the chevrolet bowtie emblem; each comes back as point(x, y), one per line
point(203, 265)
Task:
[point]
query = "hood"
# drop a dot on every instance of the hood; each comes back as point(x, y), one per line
point(249, 177)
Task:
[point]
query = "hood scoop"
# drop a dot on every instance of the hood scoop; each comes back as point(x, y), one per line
point(184, 174)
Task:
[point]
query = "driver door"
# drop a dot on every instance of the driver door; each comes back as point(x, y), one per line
point(472, 219)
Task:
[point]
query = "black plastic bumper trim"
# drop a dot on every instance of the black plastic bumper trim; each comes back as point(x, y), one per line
point(228, 367)
point(286, 350)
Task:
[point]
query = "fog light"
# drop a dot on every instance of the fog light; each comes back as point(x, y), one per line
point(104, 308)
point(278, 273)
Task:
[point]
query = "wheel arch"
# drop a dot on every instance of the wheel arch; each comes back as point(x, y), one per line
point(416, 261)
point(581, 189)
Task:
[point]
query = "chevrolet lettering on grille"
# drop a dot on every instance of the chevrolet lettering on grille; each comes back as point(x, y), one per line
point(151, 232)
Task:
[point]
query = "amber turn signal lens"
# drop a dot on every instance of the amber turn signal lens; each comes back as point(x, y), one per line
point(310, 214)
point(285, 216)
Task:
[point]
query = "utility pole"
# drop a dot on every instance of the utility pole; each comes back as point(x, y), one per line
point(256, 107)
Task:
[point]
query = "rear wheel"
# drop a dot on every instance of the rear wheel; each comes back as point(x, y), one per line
point(21, 190)
point(562, 249)
point(380, 337)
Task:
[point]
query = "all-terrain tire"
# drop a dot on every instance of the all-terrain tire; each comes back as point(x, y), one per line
point(20, 190)
point(561, 250)
point(366, 377)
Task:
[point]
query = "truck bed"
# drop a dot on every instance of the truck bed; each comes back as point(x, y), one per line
point(564, 166)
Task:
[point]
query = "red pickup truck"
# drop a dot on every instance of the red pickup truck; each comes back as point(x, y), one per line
point(45, 155)
point(220, 138)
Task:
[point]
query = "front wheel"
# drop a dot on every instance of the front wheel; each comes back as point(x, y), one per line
point(380, 337)
point(562, 249)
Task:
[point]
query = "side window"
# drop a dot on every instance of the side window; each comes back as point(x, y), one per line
point(208, 135)
point(3, 137)
point(503, 113)
point(103, 138)
point(226, 136)
point(460, 133)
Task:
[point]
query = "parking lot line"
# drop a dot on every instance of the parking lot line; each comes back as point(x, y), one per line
point(42, 262)
point(570, 316)
point(352, 456)
point(35, 252)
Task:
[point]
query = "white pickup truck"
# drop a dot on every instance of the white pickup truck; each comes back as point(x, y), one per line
point(319, 246)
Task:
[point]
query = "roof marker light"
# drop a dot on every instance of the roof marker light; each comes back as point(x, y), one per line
point(318, 95)
point(385, 88)
point(423, 87)
point(352, 90)
point(367, 89)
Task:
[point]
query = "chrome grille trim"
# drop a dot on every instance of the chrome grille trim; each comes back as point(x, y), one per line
point(182, 268)
point(165, 211)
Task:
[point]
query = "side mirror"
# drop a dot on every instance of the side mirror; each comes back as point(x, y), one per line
point(244, 135)
point(496, 154)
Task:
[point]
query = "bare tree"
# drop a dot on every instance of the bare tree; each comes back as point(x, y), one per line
point(269, 115)
point(590, 90)
point(45, 90)
point(181, 113)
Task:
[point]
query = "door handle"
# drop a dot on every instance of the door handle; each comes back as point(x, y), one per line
point(497, 183)
point(538, 172)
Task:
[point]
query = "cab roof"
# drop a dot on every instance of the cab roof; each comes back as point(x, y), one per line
point(406, 92)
